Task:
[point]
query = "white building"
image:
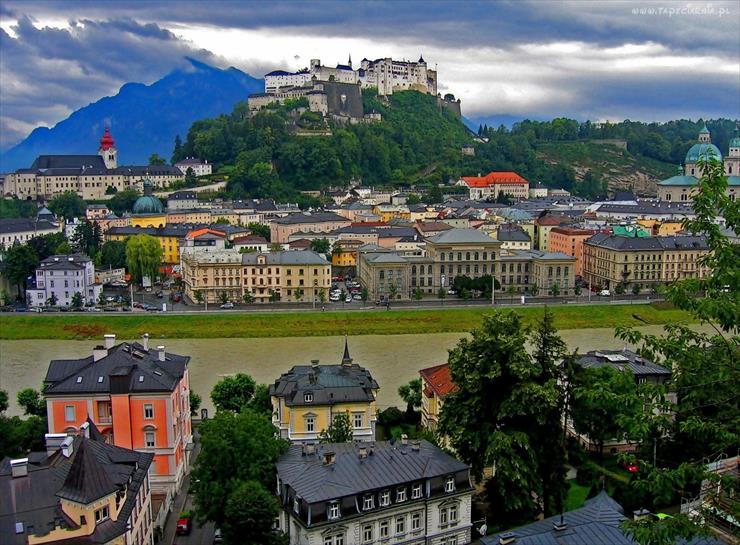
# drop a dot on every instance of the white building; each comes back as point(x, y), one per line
point(200, 167)
point(182, 200)
point(425, 499)
point(21, 230)
point(62, 276)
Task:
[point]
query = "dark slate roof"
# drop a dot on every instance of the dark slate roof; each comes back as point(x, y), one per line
point(317, 217)
point(596, 523)
point(64, 262)
point(126, 368)
point(462, 236)
point(68, 162)
point(512, 234)
point(676, 242)
point(387, 466)
point(303, 257)
point(183, 196)
point(329, 384)
point(622, 359)
point(94, 467)
point(170, 230)
point(646, 207)
point(146, 170)
point(22, 225)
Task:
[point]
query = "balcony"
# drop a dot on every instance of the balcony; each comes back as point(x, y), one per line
point(104, 419)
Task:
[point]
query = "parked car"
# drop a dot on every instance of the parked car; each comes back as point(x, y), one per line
point(228, 304)
point(348, 299)
point(357, 297)
point(632, 468)
point(184, 525)
point(451, 292)
point(605, 293)
point(160, 294)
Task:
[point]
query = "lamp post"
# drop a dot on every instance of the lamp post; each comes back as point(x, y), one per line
point(315, 284)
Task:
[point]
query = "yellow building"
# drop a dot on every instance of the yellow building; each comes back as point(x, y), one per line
point(661, 228)
point(436, 384)
point(345, 253)
point(81, 490)
point(387, 212)
point(169, 238)
point(306, 399)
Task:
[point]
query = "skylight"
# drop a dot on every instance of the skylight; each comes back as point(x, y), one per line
point(100, 379)
point(79, 380)
point(141, 378)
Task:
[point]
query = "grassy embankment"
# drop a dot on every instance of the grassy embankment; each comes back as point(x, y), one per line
point(308, 324)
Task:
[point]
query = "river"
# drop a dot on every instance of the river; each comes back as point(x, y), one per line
point(392, 359)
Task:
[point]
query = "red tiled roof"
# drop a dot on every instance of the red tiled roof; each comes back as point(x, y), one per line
point(204, 231)
point(572, 231)
point(553, 219)
point(438, 379)
point(369, 224)
point(493, 178)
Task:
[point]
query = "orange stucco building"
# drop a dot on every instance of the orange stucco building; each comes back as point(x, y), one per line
point(569, 241)
point(137, 396)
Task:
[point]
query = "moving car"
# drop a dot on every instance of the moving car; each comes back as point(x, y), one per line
point(228, 304)
point(605, 293)
point(184, 525)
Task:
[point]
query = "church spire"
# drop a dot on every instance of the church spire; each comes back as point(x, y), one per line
point(349, 61)
point(346, 359)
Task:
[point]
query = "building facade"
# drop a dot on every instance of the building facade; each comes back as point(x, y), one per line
point(320, 222)
point(610, 260)
point(137, 396)
point(59, 277)
point(306, 399)
point(199, 166)
point(21, 230)
point(569, 241)
point(436, 384)
point(425, 499)
point(494, 184)
point(81, 490)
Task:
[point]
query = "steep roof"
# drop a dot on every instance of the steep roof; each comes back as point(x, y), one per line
point(24, 225)
point(462, 236)
point(389, 464)
point(87, 479)
point(493, 178)
point(438, 378)
point(126, 367)
point(675, 242)
point(318, 217)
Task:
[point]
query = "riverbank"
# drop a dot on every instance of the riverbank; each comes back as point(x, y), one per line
point(312, 324)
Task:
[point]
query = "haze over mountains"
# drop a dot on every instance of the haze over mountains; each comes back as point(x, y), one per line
point(144, 119)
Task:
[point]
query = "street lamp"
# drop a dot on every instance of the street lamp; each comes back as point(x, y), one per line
point(315, 284)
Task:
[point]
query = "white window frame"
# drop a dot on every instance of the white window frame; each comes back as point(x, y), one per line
point(308, 397)
point(384, 529)
point(355, 417)
point(367, 533)
point(450, 484)
point(296, 505)
point(102, 514)
point(415, 521)
point(400, 495)
point(385, 498)
point(70, 409)
point(153, 442)
point(452, 513)
point(401, 523)
point(368, 502)
point(310, 424)
point(148, 411)
point(443, 517)
point(416, 492)
point(333, 512)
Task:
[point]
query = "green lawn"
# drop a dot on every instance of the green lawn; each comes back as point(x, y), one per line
point(299, 324)
point(576, 495)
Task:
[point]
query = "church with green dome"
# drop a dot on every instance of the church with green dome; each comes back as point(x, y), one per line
point(681, 188)
point(148, 210)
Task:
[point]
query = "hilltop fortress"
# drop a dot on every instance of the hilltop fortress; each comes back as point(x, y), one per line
point(335, 91)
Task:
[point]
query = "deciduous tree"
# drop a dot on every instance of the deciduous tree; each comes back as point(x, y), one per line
point(68, 205)
point(339, 431)
point(143, 257)
point(233, 393)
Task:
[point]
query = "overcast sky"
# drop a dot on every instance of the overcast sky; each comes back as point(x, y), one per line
point(642, 60)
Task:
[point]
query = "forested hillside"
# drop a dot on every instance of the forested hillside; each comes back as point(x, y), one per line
point(419, 143)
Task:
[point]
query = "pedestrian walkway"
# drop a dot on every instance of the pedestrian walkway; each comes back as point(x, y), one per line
point(182, 500)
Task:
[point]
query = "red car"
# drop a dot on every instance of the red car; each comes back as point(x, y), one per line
point(184, 525)
point(632, 468)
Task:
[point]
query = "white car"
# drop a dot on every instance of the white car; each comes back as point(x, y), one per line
point(228, 305)
point(605, 293)
point(334, 297)
point(348, 299)
point(357, 297)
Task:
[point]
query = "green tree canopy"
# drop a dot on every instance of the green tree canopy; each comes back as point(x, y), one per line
point(251, 511)
point(260, 230)
point(32, 402)
point(233, 393)
point(320, 245)
point(339, 431)
point(155, 159)
point(143, 257)
point(123, 201)
point(68, 205)
point(113, 254)
point(20, 261)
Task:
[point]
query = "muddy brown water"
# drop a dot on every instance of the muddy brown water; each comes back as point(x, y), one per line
point(392, 359)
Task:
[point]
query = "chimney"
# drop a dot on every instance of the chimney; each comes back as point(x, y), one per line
point(404, 439)
point(110, 340)
point(329, 458)
point(99, 352)
point(85, 430)
point(145, 341)
point(314, 363)
point(508, 537)
point(309, 449)
point(160, 352)
point(19, 467)
point(560, 525)
point(640, 514)
point(362, 453)
point(416, 445)
point(54, 442)
point(68, 446)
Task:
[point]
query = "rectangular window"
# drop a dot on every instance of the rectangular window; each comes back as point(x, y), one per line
point(416, 521)
point(401, 494)
point(450, 484)
point(333, 512)
point(453, 513)
point(149, 439)
point(368, 502)
point(383, 529)
point(309, 423)
point(296, 505)
point(443, 516)
point(401, 525)
point(357, 420)
point(416, 492)
point(367, 533)
point(148, 411)
point(385, 498)
point(69, 413)
point(101, 514)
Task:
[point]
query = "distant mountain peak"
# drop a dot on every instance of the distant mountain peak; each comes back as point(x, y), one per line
point(145, 118)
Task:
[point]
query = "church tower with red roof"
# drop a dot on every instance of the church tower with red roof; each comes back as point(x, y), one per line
point(107, 150)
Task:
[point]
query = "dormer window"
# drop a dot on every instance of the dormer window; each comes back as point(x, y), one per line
point(333, 512)
point(385, 498)
point(368, 502)
point(101, 514)
point(401, 494)
point(296, 505)
point(450, 484)
point(308, 397)
point(416, 492)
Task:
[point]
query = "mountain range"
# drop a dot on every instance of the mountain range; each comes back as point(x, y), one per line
point(143, 119)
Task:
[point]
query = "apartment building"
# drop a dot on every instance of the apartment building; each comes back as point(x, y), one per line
point(137, 396)
point(494, 184)
point(396, 493)
point(81, 490)
point(609, 260)
point(59, 278)
point(21, 230)
point(306, 399)
point(319, 222)
point(569, 241)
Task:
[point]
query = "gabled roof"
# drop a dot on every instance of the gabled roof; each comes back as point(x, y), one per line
point(493, 178)
point(300, 257)
point(438, 378)
point(24, 225)
point(87, 479)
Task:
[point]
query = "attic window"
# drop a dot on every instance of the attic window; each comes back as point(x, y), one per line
point(79, 380)
point(18, 527)
point(141, 378)
point(158, 373)
point(100, 379)
point(308, 397)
